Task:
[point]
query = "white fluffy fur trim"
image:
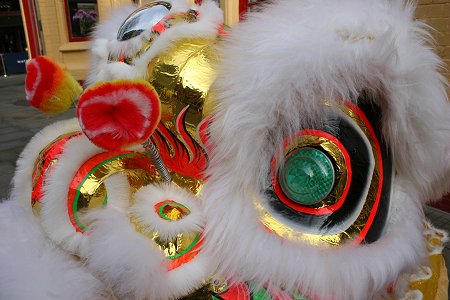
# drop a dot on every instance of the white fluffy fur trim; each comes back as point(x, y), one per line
point(54, 213)
point(133, 266)
point(104, 32)
point(350, 272)
point(276, 70)
point(31, 267)
point(296, 53)
point(119, 192)
point(149, 196)
point(22, 181)
point(123, 259)
point(210, 17)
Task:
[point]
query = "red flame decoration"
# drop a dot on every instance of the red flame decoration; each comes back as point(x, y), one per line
point(188, 157)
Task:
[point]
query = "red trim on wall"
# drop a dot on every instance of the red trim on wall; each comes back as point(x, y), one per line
point(32, 29)
point(243, 7)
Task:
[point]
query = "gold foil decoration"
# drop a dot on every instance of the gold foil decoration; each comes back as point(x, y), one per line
point(88, 190)
point(218, 284)
point(174, 213)
point(183, 76)
point(292, 234)
point(189, 17)
point(177, 246)
point(172, 248)
point(192, 184)
point(432, 280)
point(92, 193)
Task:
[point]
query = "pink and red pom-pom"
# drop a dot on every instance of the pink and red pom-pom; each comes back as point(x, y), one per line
point(118, 114)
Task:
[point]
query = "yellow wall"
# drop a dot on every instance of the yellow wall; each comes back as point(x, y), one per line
point(437, 14)
point(231, 9)
point(73, 55)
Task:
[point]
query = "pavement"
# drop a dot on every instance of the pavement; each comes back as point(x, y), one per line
point(19, 122)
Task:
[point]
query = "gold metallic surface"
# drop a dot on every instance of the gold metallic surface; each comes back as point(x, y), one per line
point(218, 284)
point(428, 277)
point(183, 76)
point(174, 213)
point(339, 162)
point(431, 281)
point(154, 35)
point(36, 207)
point(294, 235)
point(176, 246)
point(349, 233)
point(93, 192)
point(192, 184)
point(171, 248)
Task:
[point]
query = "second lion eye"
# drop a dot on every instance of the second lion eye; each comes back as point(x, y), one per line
point(333, 183)
point(143, 19)
point(307, 176)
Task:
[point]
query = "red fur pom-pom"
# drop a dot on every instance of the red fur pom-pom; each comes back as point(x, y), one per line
point(49, 87)
point(115, 115)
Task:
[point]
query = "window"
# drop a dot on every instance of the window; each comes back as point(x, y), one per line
point(81, 17)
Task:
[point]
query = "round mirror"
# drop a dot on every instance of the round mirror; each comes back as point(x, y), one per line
point(142, 19)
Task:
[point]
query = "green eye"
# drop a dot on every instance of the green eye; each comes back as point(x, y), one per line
point(307, 176)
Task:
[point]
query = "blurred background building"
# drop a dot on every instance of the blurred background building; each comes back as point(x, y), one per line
point(61, 28)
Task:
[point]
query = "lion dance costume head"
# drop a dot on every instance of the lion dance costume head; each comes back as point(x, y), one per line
point(287, 158)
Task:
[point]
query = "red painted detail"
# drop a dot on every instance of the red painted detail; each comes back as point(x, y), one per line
point(32, 29)
point(308, 210)
point(181, 161)
point(239, 290)
point(159, 27)
point(390, 288)
point(222, 32)
point(374, 210)
point(137, 161)
point(203, 133)
point(187, 257)
point(111, 113)
point(46, 165)
point(278, 294)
